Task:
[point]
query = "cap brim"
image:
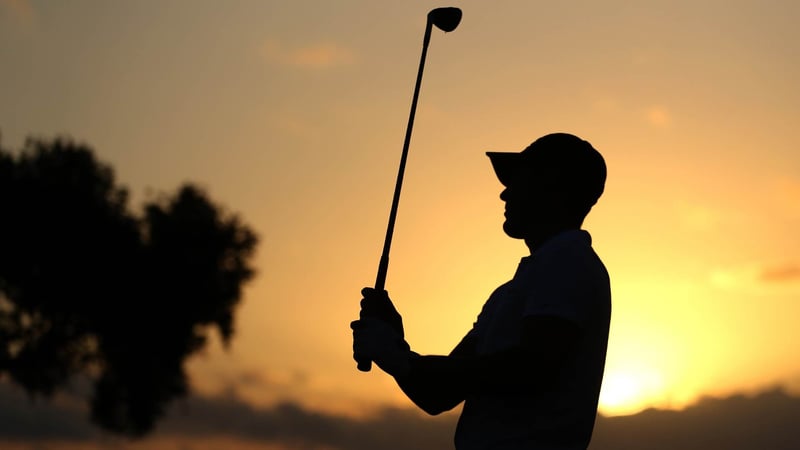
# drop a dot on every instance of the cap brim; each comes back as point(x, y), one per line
point(505, 164)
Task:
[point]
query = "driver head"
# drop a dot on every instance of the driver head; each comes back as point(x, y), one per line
point(445, 19)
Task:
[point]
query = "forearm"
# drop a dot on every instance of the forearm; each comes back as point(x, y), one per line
point(439, 383)
point(432, 394)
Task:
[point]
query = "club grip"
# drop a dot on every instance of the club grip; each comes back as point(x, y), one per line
point(363, 363)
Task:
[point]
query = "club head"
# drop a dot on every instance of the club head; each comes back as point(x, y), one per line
point(445, 19)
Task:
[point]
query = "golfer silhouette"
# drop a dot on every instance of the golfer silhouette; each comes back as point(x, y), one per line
point(530, 369)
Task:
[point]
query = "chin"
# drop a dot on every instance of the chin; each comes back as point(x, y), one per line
point(512, 231)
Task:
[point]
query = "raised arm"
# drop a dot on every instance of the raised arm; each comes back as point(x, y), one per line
point(439, 383)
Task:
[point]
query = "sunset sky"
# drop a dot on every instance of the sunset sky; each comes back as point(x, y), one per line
point(292, 115)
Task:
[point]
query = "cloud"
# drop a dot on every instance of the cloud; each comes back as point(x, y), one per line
point(24, 418)
point(766, 420)
point(20, 11)
point(320, 55)
point(293, 425)
point(759, 278)
point(784, 273)
point(260, 387)
point(198, 420)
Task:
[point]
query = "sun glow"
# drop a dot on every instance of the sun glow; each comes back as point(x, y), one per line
point(629, 390)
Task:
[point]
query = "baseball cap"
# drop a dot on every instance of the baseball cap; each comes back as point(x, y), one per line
point(565, 158)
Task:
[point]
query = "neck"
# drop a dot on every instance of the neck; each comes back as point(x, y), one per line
point(536, 240)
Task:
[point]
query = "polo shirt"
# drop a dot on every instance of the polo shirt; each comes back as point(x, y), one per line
point(563, 278)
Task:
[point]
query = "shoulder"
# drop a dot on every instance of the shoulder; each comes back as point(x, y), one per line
point(568, 256)
point(498, 296)
point(566, 279)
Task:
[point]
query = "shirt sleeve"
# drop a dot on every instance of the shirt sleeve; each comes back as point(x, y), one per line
point(480, 325)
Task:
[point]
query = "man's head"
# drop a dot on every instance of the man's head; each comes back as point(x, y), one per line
point(550, 186)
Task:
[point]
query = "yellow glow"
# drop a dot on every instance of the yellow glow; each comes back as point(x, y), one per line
point(295, 120)
point(629, 390)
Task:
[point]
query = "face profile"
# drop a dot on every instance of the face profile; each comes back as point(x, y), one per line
point(527, 205)
point(549, 186)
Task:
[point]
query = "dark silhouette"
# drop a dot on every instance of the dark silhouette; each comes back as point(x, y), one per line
point(87, 287)
point(767, 420)
point(529, 372)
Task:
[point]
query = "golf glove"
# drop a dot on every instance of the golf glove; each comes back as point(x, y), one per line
point(377, 340)
point(376, 304)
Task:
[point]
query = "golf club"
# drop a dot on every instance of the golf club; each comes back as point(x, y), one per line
point(445, 19)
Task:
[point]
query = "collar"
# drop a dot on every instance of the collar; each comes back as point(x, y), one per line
point(563, 238)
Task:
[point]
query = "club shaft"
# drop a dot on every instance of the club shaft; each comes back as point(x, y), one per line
point(365, 365)
point(383, 266)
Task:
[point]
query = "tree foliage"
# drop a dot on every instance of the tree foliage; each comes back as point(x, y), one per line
point(88, 287)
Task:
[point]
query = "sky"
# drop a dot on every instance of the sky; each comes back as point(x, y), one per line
point(292, 115)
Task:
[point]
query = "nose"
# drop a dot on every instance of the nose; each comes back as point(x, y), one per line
point(504, 195)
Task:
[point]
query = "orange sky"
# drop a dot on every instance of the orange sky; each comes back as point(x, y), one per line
point(293, 113)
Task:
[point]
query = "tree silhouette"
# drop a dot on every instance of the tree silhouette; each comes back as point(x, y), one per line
point(87, 287)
